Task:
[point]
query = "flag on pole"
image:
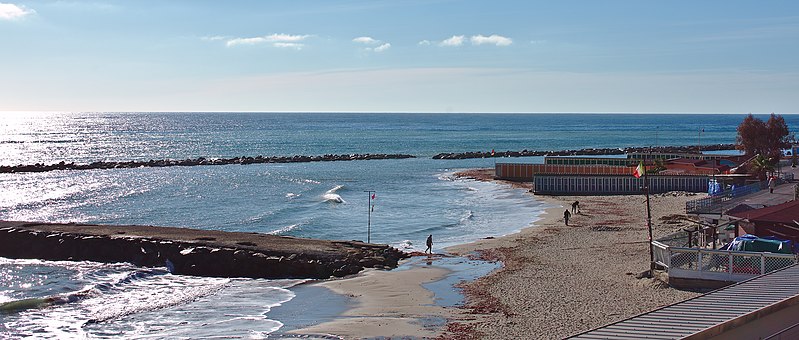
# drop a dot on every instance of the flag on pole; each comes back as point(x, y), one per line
point(639, 170)
point(373, 196)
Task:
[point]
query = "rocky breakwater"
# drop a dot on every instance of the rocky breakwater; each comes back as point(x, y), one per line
point(39, 167)
point(584, 152)
point(195, 252)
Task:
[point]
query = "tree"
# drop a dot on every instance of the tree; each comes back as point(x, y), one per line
point(760, 166)
point(756, 137)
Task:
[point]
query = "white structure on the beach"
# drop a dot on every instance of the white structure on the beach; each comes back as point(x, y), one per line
point(709, 268)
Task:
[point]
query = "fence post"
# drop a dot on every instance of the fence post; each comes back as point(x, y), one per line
point(729, 268)
point(699, 260)
point(762, 263)
point(668, 257)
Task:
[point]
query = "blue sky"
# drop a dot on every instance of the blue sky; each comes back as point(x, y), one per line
point(397, 56)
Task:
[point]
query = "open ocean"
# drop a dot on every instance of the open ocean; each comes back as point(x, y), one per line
point(414, 198)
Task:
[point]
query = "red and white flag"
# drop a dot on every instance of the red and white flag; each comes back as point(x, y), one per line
point(639, 170)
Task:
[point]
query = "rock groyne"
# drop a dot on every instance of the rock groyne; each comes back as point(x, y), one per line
point(584, 152)
point(195, 252)
point(39, 167)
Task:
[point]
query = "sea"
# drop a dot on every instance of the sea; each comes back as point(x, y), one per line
point(413, 198)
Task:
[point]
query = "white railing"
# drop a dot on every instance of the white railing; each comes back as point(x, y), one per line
point(720, 265)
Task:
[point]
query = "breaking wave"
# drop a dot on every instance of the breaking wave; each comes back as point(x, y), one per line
point(332, 196)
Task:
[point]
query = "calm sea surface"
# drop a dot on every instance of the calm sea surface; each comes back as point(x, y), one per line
point(414, 198)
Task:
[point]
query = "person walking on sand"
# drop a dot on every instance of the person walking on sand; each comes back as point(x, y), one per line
point(566, 215)
point(576, 207)
point(429, 244)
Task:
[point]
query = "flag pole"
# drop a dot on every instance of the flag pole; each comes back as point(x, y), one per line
point(369, 218)
point(649, 225)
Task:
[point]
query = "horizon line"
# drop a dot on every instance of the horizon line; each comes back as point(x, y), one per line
point(410, 112)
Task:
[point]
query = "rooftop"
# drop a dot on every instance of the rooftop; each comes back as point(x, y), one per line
point(715, 313)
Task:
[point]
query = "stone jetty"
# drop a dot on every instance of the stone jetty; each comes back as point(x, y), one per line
point(195, 252)
point(38, 167)
point(584, 152)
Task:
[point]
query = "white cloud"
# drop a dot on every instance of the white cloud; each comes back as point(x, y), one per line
point(366, 40)
point(286, 37)
point(245, 41)
point(213, 38)
point(372, 41)
point(455, 40)
point(382, 48)
point(493, 39)
point(12, 11)
point(288, 45)
point(424, 43)
point(278, 40)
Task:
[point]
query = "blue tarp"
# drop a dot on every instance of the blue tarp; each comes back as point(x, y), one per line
point(714, 187)
point(770, 244)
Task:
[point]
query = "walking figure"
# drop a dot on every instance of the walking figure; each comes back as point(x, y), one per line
point(566, 215)
point(771, 184)
point(429, 244)
point(576, 207)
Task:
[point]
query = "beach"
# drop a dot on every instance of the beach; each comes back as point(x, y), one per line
point(555, 280)
point(414, 197)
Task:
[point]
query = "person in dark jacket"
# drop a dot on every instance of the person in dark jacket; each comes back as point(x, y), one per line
point(429, 244)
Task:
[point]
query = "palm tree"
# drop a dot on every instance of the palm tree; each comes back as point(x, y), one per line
point(660, 165)
point(760, 166)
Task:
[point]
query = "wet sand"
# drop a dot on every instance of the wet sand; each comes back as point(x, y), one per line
point(387, 303)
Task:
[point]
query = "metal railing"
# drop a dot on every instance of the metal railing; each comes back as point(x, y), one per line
point(720, 265)
point(711, 203)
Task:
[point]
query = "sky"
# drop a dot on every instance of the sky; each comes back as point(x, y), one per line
point(400, 56)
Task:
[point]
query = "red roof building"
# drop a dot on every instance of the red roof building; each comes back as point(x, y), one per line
point(781, 221)
point(694, 167)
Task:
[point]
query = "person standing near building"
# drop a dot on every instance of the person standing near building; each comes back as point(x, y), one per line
point(566, 215)
point(771, 184)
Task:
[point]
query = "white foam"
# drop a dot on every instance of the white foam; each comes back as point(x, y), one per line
point(4, 297)
point(285, 229)
point(332, 196)
point(405, 245)
point(151, 294)
point(336, 188)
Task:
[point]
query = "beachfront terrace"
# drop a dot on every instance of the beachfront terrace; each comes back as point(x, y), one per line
point(710, 268)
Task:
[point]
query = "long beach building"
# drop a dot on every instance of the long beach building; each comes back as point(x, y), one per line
point(603, 176)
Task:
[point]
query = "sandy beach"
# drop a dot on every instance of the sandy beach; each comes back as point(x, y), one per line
point(555, 280)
